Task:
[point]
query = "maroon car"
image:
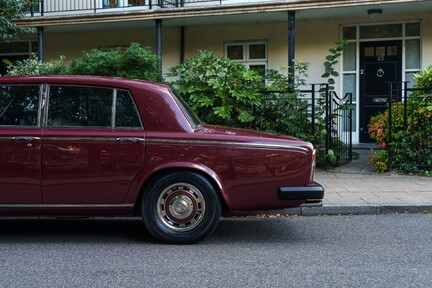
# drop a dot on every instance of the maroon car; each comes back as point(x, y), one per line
point(99, 146)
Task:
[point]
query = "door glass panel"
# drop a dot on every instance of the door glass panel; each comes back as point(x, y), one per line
point(392, 51)
point(409, 77)
point(380, 51)
point(78, 106)
point(412, 54)
point(412, 29)
point(349, 57)
point(381, 31)
point(349, 86)
point(19, 105)
point(350, 33)
point(126, 111)
point(369, 52)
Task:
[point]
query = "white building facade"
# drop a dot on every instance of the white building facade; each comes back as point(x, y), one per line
point(389, 40)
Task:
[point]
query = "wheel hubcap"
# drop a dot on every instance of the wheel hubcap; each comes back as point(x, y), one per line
point(181, 207)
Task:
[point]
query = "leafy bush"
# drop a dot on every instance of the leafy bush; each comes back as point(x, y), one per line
point(410, 148)
point(285, 111)
point(33, 66)
point(135, 62)
point(220, 90)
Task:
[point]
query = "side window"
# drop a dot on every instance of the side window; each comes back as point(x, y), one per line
point(79, 106)
point(126, 111)
point(19, 105)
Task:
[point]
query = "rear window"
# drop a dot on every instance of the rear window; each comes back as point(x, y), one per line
point(19, 105)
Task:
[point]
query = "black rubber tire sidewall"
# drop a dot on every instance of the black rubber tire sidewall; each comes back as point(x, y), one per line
point(163, 233)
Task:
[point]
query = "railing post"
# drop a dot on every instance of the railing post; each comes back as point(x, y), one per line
point(390, 100)
point(405, 99)
point(350, 127)
point(42, 8)
point(327, 121)
point(313, 110)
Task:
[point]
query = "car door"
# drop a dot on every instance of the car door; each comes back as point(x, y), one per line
point(93, 145)
point(20, 144)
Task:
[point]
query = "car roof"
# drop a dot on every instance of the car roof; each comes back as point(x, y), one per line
point(83, 80)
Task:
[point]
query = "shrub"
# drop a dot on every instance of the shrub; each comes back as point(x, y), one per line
point(220, 90)
point(33, 66)
point(286, 111)
point(135, 62)
point(410, 148)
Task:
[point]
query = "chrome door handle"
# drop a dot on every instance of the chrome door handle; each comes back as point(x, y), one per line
point(25, 138)
point(133, 140)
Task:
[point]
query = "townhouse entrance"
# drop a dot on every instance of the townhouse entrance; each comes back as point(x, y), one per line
point(380, 63)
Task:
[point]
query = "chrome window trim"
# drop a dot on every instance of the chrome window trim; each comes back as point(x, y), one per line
point(227, 143)
point(113, 108)
point(24, 138)
point(96, 139)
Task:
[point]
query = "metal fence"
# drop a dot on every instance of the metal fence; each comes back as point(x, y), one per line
point(409, 123)
point(45, 7)
point(317, 115)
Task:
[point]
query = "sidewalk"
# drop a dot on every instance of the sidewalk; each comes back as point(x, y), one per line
point(355, 189)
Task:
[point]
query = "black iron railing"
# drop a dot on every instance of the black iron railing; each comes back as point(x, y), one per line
point(46, 7)
point(409, 114)
point(316, 114)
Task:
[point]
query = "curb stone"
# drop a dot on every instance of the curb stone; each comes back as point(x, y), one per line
point(370, 209)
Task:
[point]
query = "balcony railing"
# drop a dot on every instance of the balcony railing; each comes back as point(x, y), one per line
point(56, 7)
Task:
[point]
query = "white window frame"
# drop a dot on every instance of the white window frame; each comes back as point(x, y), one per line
point(246, 60)
point(357, 40)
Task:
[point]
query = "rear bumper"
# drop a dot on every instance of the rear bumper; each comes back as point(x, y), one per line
point(314, 193)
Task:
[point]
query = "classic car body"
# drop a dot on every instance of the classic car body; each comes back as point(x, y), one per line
point(87, 146)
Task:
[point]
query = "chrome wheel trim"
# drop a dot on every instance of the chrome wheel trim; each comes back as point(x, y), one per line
point(181, 207)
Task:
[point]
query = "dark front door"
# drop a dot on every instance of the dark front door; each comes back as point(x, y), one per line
point(380, 63)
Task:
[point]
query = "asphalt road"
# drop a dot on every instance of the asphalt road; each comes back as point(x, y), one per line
point(322, 251)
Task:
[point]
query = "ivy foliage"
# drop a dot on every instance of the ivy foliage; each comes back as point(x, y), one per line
point(221, 91)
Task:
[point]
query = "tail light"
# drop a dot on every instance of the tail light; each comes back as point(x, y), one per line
point(314, 158)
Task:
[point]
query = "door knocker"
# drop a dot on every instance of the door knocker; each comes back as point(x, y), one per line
point(380, 73)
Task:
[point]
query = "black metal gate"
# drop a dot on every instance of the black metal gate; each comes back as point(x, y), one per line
point(317, 115)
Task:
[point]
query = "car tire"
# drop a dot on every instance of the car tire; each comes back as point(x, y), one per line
point(180, 207)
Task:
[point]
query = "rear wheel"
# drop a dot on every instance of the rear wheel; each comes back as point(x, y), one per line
point(181, 207)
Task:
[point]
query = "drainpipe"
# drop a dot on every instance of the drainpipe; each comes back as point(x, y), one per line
point(40, 31)
point(159, 42)
point(291, 46)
